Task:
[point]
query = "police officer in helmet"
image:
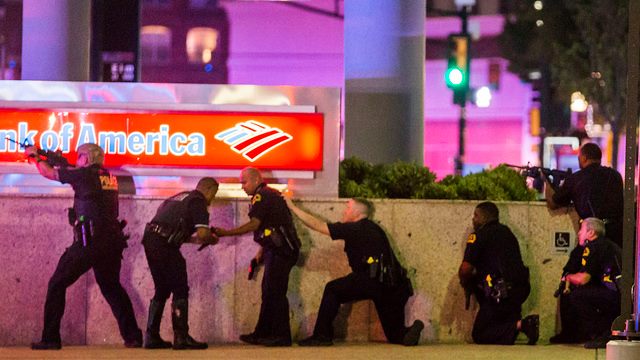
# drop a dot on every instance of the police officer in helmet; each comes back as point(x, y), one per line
point(98, 244)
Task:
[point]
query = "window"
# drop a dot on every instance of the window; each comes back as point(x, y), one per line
point(201, 42)
point(155, 41)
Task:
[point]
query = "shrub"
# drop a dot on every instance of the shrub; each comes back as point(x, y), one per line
point(402, 180)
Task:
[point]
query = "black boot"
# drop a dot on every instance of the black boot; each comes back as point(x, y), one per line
point(152, 339)
point(530, 326)
point(180, 320)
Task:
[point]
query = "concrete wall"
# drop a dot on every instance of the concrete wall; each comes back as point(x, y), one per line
point(428, 236)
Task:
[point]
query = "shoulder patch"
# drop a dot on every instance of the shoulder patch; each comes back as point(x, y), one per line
point(256, 198)
point(471, 239)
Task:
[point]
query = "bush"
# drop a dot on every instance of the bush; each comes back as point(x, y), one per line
point(402, 180)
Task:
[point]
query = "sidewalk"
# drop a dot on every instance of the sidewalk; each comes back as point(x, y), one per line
point(350, 351)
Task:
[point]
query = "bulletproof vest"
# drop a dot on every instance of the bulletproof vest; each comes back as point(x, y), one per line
point(97, 198)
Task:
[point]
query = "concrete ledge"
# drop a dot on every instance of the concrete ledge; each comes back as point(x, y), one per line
point(428, 236)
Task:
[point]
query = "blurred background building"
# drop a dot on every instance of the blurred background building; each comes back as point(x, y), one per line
point(302, 43)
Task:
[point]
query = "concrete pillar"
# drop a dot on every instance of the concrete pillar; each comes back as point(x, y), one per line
point(55, 39)
point(384, 50)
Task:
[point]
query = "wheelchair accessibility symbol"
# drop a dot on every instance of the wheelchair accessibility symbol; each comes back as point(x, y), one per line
point(562, 241)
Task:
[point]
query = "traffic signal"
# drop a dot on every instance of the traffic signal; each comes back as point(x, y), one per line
point(457, 75)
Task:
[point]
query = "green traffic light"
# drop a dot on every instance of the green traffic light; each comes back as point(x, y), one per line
point(454, 77)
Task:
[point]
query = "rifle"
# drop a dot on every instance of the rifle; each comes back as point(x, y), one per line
point(554, 176)
point(53, 158)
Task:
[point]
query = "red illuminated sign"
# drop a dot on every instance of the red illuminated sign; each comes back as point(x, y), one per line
point(222, 140)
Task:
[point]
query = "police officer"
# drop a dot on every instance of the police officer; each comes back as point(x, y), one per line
point(98, 244)
point(176, 220)
point(272, 227)
point(595, 191)
point(493, 270)
point(589, 306)
point(376, 275)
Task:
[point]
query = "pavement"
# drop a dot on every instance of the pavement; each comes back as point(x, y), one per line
point(351, 351)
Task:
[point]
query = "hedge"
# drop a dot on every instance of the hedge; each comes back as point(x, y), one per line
point(403, 180)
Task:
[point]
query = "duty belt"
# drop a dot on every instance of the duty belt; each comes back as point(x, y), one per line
point(157, 229)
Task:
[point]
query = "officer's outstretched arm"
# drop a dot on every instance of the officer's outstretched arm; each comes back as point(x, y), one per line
point(43, 167)
point(252, 225)
point(309, 220)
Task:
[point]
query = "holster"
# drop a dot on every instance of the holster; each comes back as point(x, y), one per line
point(497, 291)
point(280, 237)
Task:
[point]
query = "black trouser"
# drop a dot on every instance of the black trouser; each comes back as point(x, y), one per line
point(389, 302)
point(587, 312)
point(106, 263)
point(273, 320)
point(497, 323)
point(168, 268)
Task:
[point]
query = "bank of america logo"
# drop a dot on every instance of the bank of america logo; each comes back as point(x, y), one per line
point(253, 139)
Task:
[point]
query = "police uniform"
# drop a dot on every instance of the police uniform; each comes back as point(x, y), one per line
point(100, 249)
point(367, 247)
point(183, 212)
point(494, 251)
point(176, 220)
point(588, 311)
point(269, 207)
point(596, 191)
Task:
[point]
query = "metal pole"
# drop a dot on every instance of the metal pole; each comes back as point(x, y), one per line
point(462, 124)
point(462, 121)
point(627, 324)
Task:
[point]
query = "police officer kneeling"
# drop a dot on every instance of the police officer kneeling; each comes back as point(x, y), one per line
point(591, 301)
point(178, 217)
point(492, 269)
point(376, 275)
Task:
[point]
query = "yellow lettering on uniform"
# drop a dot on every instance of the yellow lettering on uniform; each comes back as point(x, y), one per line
point(108, 182)
point(471, 239)
point(267, 232)
point(584, 261)
point(256, 199)
point(586, 252)
point(607, 278)
point(488, 279)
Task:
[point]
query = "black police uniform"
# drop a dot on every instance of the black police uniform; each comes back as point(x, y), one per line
point(95, 202)
point(367, 247)
point(596, 191)
point(494, 251)
point(176, 220)
point(269, 207)
point(183, 212)
point(588, 311)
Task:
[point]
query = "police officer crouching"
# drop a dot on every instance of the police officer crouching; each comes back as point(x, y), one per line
point(98, 244)
point(376, 275)
point(177, 218)
point(492, 269)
